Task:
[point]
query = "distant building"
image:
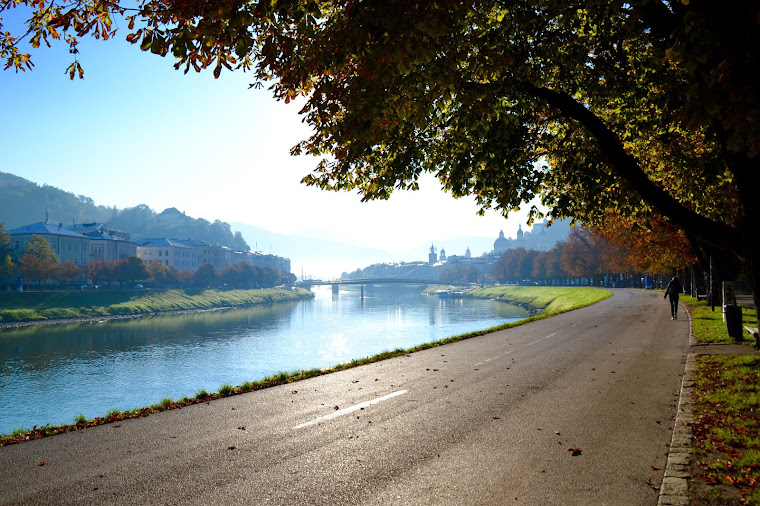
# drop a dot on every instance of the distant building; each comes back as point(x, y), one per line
point(106, 244)
point(277, 263)
point(541, 238)
point(189, 254)
point(501, 244)
point(170, 252)
point(67, 244)
point(213, 254)
point(432, 256)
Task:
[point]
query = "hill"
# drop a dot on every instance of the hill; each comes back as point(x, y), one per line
point(23, 202)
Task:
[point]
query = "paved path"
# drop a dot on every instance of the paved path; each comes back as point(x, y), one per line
point(574, 409)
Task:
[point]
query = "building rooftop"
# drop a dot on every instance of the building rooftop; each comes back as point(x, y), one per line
point(162, 242)
point(42, 228)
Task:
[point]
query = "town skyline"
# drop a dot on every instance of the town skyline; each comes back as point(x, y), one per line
point(312, 255)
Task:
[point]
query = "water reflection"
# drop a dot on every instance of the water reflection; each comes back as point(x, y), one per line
point(50, 374)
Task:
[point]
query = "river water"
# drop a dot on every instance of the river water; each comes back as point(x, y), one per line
point(51, 374)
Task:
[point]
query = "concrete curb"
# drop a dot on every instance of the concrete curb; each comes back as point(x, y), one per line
point(674, 490)
point(675, 484)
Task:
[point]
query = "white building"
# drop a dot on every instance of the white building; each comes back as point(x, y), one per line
point(207, 253)
point(67, 244)
point(106, 244)
point(280, 264)
point(169, 252)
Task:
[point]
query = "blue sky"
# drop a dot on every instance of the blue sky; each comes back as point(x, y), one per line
point(136, 131)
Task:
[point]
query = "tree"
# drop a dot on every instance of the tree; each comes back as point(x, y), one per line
point(99, 271)
point(38, 263)
point(646, 107)
point(5, 241)
point(161, 273)
point(459, 274)
point(660, 249)
point(205, 275)
point(239, 243)
point(588, 254)
point(546, 265)
point(7, 267)
point(67, 271)
point(38, 247)
point(130, 270)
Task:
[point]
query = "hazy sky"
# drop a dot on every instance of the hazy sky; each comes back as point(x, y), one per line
point(136, 131)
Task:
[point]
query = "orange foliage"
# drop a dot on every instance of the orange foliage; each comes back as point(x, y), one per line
point(659, 248)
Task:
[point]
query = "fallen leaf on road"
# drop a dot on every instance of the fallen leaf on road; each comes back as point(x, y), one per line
point(43, 463)
point(575, 451)
point(655, 467)
point(242, 427)
point(230, 447)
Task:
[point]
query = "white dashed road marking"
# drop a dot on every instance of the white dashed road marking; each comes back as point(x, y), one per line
point(345, 411)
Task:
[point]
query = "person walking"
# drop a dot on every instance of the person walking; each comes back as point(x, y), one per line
point(673, 290)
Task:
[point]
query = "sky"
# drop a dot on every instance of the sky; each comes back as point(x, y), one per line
point(136, 131)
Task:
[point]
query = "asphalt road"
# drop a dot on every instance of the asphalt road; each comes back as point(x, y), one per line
point(489, 420)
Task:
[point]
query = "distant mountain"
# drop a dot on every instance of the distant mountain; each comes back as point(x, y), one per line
point(23, 202)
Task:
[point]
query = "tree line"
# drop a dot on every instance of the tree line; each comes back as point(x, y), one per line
point(594, 254)
point(39, 266)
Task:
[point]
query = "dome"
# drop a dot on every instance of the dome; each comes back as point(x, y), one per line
point(501, 244)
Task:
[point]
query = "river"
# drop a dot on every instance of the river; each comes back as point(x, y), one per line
point(51, 374)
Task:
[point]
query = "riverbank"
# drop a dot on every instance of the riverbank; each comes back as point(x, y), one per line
point(549, 300)
point(48, 308)
point(567, 299)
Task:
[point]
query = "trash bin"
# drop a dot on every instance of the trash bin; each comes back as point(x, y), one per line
point(733, 321)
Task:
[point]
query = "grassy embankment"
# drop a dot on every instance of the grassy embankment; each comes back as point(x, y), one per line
point(551, 300)
point(726, 445)
point(36, 306)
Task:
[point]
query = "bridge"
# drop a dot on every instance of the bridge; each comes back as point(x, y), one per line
point(337, 283)
point(367, 281)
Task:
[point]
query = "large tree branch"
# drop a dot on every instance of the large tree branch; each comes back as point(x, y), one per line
point(712, 232)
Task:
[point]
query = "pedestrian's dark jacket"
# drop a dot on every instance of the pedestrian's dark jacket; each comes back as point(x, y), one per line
point(674, 288)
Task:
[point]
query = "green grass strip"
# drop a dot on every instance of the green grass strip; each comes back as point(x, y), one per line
point(41, 306)
point(551, 300)
point(726, 425)
point(709, 326)
point(726, 428)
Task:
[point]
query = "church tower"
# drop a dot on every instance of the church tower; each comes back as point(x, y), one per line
point(432, 256)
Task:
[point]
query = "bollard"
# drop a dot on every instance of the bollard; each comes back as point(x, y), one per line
point(733, 316)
